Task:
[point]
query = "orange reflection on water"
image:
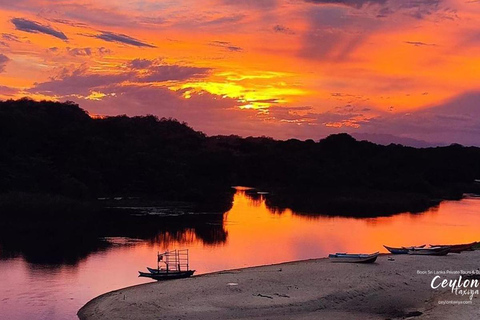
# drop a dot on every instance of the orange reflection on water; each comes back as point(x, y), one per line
point(251, 234)
point(258, 235)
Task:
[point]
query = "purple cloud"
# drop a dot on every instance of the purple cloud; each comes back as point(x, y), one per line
point(79, 82)
point(3, 62)
point(79, 51)
point(334, 35)
point(8, 91)
point(226, 45)
point(282, 29)
point(418, 9)
point(35, 27)
point(262, 4)
point(351, 3)
point(84, 52)
point(223, 20)
point(454, 121)
point(173, 73)
point(122, 38)
point(10, 37)
point(140, 63)
point(420, 44)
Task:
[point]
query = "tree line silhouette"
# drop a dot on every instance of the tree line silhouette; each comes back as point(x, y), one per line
point(56, 155)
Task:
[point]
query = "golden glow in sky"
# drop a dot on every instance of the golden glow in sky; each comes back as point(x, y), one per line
point(283, 68)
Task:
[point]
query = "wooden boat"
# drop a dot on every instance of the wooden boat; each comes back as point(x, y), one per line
point(457, 248)
point(401, 250)
point(176, 266)
point(432, 251)
point(353, 258)
point(167, 275)
point(163, 271)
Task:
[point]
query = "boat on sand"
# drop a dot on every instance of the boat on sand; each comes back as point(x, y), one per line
point(457, 248)
point(176, 266)
point(353, 258)
point(402, 250)
point(167, 275)
point(432, 251)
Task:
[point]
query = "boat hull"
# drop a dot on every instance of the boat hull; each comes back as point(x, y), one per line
point(402, 250)
point(171, 275)
point(353, 258)
point(457, 248)
point(438, 251)
point(396, 250)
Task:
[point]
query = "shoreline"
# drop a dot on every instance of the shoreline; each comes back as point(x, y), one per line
point(306, 289)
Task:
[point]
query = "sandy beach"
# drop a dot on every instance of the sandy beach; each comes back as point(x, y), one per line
point(312, 289)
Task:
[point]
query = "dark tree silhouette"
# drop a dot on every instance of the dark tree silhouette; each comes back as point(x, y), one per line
point(57, 149)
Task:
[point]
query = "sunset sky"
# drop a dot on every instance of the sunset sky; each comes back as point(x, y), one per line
point(281, 68)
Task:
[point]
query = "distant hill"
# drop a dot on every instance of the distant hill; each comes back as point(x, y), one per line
point(57, 149)
point(386, 139)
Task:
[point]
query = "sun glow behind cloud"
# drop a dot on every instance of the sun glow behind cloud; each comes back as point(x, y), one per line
point(280, 68)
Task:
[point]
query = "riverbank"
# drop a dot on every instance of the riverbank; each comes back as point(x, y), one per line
point(309, 289)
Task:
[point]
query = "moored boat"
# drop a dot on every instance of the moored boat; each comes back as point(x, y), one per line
point(167, 275)
point(353, 258)
point(457, 248)
point(176, 266)
point(432, 251)
point(402, 250)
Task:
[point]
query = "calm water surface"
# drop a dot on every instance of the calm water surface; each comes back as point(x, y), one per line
point(255, 235)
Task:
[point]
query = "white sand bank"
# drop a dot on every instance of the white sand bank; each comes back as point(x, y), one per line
point(314, 289)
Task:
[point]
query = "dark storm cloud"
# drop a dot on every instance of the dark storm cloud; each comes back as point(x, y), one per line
point(35, 27)
point(122, 38)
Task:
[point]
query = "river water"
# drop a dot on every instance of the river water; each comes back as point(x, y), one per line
point(251, 234)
